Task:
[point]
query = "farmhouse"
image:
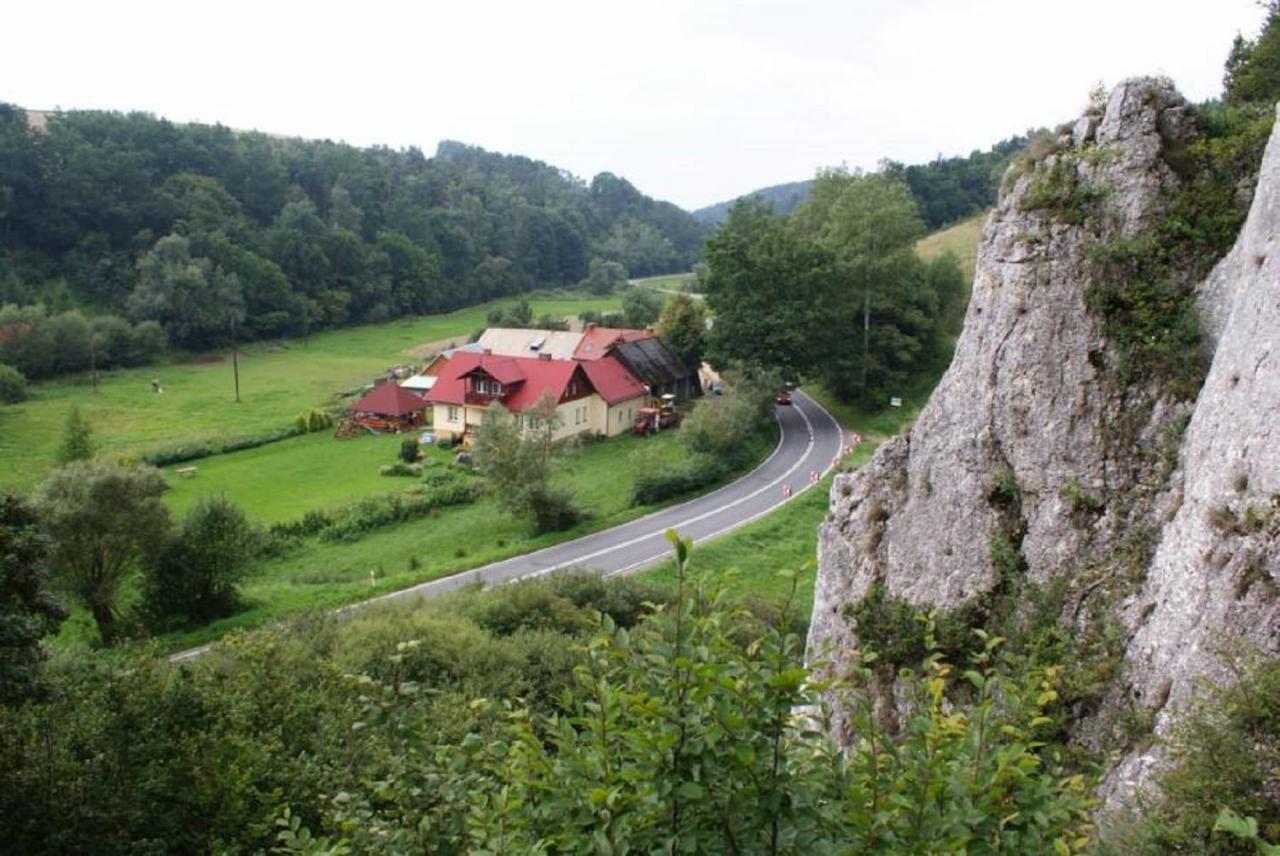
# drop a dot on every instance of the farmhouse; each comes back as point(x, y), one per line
point(598, 399)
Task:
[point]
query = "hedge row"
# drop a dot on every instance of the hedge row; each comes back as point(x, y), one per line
point(663, 483)
point(181, 454)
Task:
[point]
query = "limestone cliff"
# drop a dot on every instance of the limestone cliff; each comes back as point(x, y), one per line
point(1043, 454)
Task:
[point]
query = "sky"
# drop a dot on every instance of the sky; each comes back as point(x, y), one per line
point(694, 102)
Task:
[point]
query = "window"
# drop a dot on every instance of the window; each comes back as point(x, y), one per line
point(453, 414)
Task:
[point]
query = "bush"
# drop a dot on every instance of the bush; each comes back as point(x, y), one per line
point(400, 468)
point(196, 451)
point(13, 385)
point(409, 450)
point(553, 509)
point(192, 578)
point(674, 480)
point(310, 421)
point(352, 521)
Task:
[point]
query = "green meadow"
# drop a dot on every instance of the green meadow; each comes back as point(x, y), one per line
point(278, 380)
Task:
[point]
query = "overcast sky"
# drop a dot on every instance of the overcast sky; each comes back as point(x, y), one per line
point(695, 101)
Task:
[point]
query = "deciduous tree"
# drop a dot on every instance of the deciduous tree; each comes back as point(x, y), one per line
point(101, 518)
point(28, 611)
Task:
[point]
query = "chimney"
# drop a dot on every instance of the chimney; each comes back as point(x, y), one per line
point(488, 352)
point(591, 325)
point(544, 356)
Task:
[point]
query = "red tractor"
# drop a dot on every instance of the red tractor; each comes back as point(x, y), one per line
point(651, 420)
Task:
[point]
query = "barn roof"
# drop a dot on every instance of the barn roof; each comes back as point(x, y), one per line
point(612, 380)
point(652, 361)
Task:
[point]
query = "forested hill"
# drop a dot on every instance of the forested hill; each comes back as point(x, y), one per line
point(946, 189)
point(783, 198)
point(196, 226)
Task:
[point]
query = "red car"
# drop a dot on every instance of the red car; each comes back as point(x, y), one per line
point(784, 397)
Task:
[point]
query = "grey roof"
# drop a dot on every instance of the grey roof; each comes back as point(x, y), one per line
point(652, 361)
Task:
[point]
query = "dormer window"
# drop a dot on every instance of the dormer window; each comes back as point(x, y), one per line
point(484, 386)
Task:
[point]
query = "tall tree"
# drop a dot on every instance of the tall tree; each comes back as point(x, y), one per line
point(196, 301)
point(682, 326)
point(101, 517)
point(770, 289)
point(28, 611)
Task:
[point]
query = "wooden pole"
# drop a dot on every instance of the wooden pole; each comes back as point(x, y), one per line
point(235, 361)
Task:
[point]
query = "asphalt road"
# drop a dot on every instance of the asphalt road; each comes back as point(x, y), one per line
point(810, 443)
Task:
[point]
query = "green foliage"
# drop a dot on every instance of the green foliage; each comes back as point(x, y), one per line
point(640, 308)
point(1005, 492)
point(355, 520)
point(728, 427)
point(409, 450)
point(667, 482)
point(1253, 66)
point(788, 293)
point(40, 344)
point(400, 468)
point(13, 385)
point(28, 610)
point(604, 277)
point(682, 326)
point(298, 235)
point(677, 736)
point(102, 518)
point(1057, 187)
point(196, 451)
point(1079, 499)
point(191, 578)
point(311, 421)
point(1224, 754)
point(516, 462)
point(77, 438)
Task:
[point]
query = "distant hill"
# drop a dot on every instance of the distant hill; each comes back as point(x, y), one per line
point(947, 190)
point(783, 197)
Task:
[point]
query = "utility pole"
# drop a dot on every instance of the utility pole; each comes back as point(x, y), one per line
point(235, 361)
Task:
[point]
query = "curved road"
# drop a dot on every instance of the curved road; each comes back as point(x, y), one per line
point(811, 441)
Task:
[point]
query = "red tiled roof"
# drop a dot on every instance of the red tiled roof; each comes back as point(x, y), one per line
point(612, 380)
point(530, 377)
point(596, 341)
point(390, 399)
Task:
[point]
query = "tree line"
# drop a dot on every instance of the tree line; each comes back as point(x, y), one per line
point(204, 229)
point(835, 291)
point(945, 189)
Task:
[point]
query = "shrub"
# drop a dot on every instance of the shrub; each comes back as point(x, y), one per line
point(196, 451)
point(310, 421)
point(409, 450)
point(399, 468)
point(13, 385)
point(192, 578)
point(662, 483)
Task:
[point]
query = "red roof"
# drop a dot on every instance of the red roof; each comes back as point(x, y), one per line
point(390, 399)
point(596, 341)
point(612, 380)
point(528, 379)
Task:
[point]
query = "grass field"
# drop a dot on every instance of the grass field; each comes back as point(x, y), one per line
point(277, 382)
point(962, 239)
point(327, 574)
point(282, 481)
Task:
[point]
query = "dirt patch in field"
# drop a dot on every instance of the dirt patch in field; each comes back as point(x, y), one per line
point(430, 349)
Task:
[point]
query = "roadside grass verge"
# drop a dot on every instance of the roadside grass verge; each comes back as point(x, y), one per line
point(278, 380)
point(757, 560)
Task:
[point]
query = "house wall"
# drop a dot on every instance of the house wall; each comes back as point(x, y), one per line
point(469, 418)
point(614, 419)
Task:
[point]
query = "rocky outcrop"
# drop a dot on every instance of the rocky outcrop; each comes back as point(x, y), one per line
point(1034, 446)
point(1212, 583)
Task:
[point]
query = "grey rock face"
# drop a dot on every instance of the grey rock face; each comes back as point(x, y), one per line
point(1212, 584)
point(1030, 399)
